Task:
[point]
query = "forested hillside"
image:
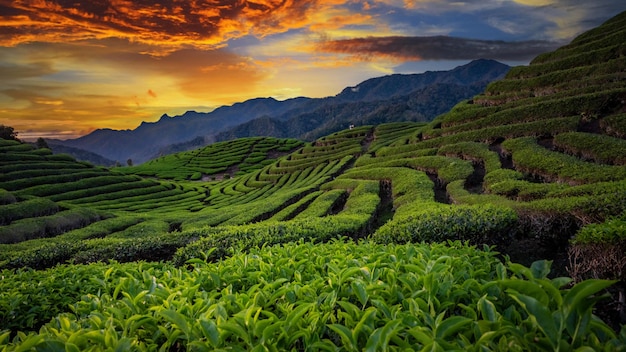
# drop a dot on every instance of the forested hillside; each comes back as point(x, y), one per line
point(379, 237)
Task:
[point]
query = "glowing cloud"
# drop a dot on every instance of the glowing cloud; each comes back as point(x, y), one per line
point(163, 23)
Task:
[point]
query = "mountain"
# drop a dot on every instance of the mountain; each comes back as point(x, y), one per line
point(81, 154)
point(305, 117)
point(422, 105)
point(149, 138)
point(382, 88)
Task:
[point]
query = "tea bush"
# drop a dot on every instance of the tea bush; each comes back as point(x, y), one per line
point(529, 157)
point(594, 147)
point(438, 223)
point(309, 296)
point(27, 209)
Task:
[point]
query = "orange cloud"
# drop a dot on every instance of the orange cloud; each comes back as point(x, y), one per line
point(109, 83)
point(165, 23)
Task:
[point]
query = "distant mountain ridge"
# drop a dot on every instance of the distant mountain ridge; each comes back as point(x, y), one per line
point(420, 106)
point(380, 88)
point(390, 98)
point(82, 155)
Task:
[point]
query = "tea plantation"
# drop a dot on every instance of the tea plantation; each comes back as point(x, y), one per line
point(499, 226)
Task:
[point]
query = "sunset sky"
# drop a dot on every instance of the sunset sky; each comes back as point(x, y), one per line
point(69, 67)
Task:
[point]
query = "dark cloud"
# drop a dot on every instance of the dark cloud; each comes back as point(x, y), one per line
point(11, 71)
point(437, 48)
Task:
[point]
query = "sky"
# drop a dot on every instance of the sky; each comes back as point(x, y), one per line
point(68, 67)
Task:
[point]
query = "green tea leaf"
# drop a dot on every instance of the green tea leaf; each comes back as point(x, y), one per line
point(487, 309)
point(450, 326)
point(210, 332)
point(360, 291)
point(583, 290)
point(540, 268)
point(541, 315)
point(346, 336)
point(296, 314)
point(177, 319)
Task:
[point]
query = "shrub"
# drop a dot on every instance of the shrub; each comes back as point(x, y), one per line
point(529, 157)
point(26, 209)
point(221, 241)
point(438, 223)
point(597, 252)
point(614, 125)
point(315, 297)
point(47, 226)
point(475, 152)
point(502, 175)
point(6, 197)
point(323, 204)
point(594, 147)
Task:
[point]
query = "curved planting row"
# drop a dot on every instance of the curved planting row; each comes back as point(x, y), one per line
point(215, 160)
point(55, 194)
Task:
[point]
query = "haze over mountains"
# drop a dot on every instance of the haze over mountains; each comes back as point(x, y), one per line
point(414, 97)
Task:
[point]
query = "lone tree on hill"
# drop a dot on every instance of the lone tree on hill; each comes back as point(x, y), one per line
point(7, 132)
point(129, 162)
point(41, 143)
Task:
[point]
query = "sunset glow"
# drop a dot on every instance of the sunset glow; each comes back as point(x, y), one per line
point(69, 67)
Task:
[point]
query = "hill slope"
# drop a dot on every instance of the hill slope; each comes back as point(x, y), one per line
point(536, 160)
point(545, 143)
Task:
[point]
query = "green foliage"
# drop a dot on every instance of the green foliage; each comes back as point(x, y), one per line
point(437, 223)
point(29, 208)
point(30, 298)
point(292, 210)
point(491, 134)
point(502, 175)
point(8, 133)
point(593, 147)
point(612, 231)
point(323, 204)
point(376, 181)
point(529, 157)
point(475, 152)
point(6, 197)
point(222, 241)
point(247, 154)
point(311, 297)
point(458, 194)
point(614, 125)
point(47, 226)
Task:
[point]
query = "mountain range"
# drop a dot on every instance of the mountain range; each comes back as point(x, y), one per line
point(398, 97)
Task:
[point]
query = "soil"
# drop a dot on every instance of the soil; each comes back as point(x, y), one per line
point(441, 195)
point(474, 183)
point(505, 160)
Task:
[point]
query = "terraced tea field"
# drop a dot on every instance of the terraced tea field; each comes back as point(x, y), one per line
point(377, 237)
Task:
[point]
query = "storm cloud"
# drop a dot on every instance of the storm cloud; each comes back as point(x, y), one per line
point(436, 48)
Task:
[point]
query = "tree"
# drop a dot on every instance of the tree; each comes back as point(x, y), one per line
point(41, 143)
point(7, 132)
point(129, 162)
